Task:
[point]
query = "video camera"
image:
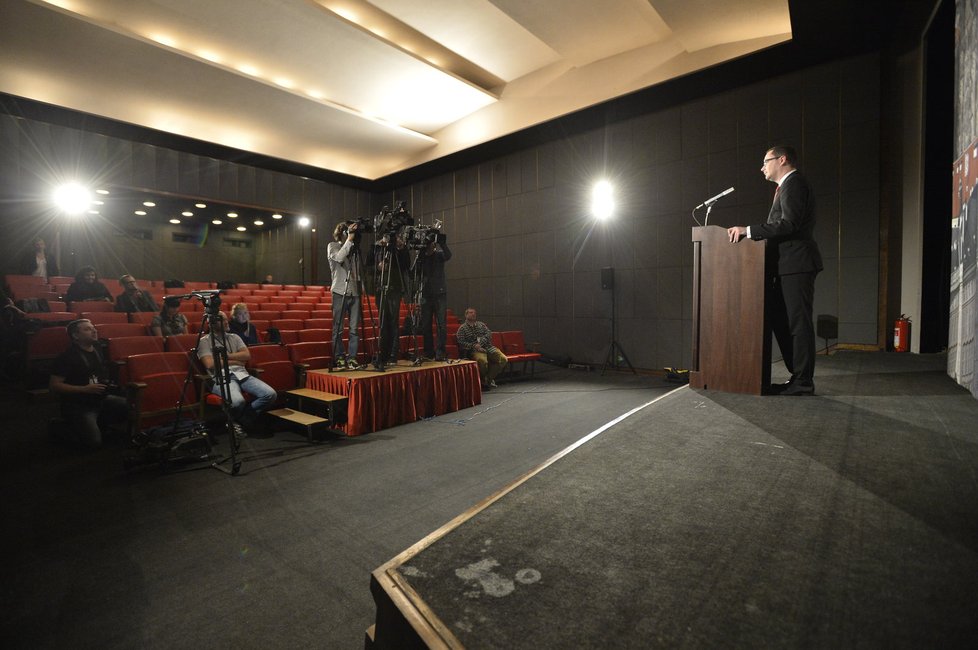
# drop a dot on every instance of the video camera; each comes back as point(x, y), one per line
point(390, 222)
point(421, 236)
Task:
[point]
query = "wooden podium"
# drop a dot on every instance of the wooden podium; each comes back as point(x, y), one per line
point(731, 338)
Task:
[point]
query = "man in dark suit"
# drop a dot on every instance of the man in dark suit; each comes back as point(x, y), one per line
point(793, 261)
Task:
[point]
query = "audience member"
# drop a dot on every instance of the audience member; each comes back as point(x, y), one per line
point(133, 298)
point(169, 321)
point(87, 288)
point(240, 324)
point(238, 355)
point(37, 262)
point(475, 342)
point(80, 379)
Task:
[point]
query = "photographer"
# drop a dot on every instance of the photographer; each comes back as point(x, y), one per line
point(80, 378)
point(391, 258)
point(240, 379)
point(345, 286)
point(434, 295)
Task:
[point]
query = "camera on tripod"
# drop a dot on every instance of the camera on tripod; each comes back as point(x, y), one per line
point(420, 237)
point(390, 222)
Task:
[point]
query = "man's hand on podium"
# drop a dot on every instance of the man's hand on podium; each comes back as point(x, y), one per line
point(736, 233)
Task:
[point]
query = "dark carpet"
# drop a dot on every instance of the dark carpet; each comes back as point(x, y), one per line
point(95, 556)
point(710, 520)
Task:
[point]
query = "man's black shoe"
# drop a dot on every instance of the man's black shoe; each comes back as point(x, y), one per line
point(798, 388)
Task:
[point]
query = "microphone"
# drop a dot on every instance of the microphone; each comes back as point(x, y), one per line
point(715, 198)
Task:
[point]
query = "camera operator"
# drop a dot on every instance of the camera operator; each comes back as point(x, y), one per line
point(238, 355)
point(80, 378)
point(391, 258)
point(434, 295)
point(345, 286)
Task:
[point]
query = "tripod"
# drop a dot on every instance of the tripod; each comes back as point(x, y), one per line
point(616, 353)
point(419, 279)
point(220, 371)
point(391, 262)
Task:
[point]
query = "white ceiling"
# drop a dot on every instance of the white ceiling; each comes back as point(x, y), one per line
point(362, 88)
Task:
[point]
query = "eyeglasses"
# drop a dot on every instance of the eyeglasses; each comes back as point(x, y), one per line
point(767, 160)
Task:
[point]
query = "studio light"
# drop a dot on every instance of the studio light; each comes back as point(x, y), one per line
point(304, 222)
point(72, 198)
point(602, 200)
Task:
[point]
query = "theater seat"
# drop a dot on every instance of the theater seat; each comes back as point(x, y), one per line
point(515, 350)
point(313, 355)
point(156, 383)
point(271, 364)
point(121, 348)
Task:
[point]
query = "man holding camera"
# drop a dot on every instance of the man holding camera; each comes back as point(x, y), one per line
point(344, 284)
point(434, 295)
point(80, 379)
point(391, 258)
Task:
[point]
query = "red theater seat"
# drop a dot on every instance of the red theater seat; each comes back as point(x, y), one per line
point(121, 348)
point(156, 383)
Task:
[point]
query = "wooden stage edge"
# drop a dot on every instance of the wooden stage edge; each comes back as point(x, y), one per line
point(404, 619)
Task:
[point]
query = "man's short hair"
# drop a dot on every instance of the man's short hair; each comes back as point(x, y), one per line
point(122, 278)
point(789, 153)
point(338, 230)
point(74, 325)
point(171, 302)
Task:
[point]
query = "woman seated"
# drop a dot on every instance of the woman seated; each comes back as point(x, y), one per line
point(169, 321)
point(87, 288)
point(241, 325)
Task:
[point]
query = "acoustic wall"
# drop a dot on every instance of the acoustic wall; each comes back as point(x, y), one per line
point(964, 216)
point(528, 254)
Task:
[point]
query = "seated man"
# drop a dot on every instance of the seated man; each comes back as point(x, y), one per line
point(475, 342)
point(133, 298)
point(80, 378)
point(238, 355)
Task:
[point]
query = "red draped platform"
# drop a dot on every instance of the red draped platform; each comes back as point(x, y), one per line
point(401, 394)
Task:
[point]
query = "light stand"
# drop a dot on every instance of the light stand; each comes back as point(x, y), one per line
point(303, 224)
point(616, 353)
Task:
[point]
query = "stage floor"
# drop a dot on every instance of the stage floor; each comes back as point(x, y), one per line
point(705, 519)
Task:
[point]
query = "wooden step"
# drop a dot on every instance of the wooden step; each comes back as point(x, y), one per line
point(305, 419)
point(329, 406)
point(318, 395)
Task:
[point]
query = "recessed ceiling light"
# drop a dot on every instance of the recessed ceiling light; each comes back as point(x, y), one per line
point(200, 205)
point(101, 191)
point(98, 202)
point(259, 222)
point(149, 204)
point(233, 215)
point(174, 221)
point(187, 213)
point(241, 229)
point(141, 213)
point(217, 222)
point(93, 212)
point(276, 216)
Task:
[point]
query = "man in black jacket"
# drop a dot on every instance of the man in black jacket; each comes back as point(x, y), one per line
point(434, 296)
point(133, 298)
point(793, 261)
point(79, 377)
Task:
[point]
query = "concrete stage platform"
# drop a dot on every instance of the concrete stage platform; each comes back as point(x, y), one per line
point(705, 520)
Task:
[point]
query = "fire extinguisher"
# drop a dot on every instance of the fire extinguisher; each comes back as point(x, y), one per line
point(901, 334)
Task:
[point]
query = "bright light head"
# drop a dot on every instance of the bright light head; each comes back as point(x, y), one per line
point(72, 198)
point(602, 200)
point(304, 222)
